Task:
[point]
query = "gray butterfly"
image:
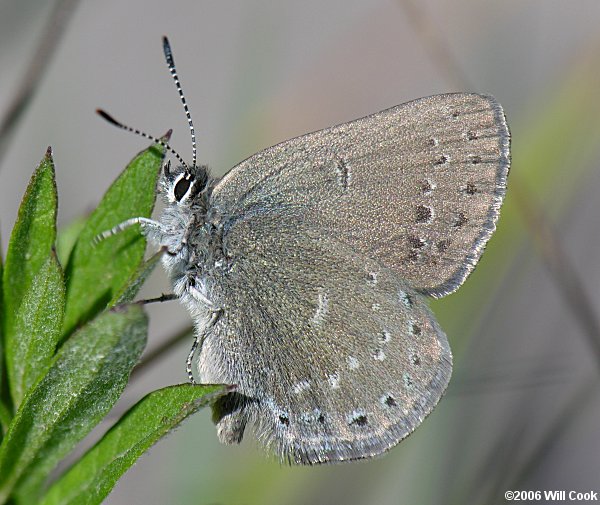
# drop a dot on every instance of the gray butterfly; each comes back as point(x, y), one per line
point(306, 270)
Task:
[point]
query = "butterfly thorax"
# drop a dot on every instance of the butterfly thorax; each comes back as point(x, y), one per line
point(192, 243)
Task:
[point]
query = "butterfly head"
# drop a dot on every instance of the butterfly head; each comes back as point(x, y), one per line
point(183, 185)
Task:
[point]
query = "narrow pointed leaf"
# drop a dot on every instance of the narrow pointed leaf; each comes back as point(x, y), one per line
point(36, 330)
point(86, 378)
point(91, 479)
point(135, 282)
point(66, 238)
point(2, 345)
point(97, 271)
point(31, 239)
point(5, 413)
point(5, 419)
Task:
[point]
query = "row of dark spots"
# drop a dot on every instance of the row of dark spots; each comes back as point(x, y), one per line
point(474, 159)
point(442, 245)
point(470, 134)
point(357, 420)
point(443, 159)
point(285, 420)
point(417, 244)
point(423, 214)
point(457, 112)
point(426, 187)
point(360, 419)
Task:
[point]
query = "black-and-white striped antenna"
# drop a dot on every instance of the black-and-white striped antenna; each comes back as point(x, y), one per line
point(171, 65)
point(152, 138)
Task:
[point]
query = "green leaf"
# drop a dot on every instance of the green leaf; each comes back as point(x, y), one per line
point(36, 331)
point(132, 287)
point(96, 272)
point(2, 385)
point(91, 479)
point(5, 418)
point(31, 240)
point(86, 378)
point(66, 238)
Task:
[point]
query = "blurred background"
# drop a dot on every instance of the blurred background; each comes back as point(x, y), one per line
point(523, 407)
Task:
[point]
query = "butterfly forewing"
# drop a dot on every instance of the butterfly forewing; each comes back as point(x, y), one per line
point(417, 187)
point(364, 360)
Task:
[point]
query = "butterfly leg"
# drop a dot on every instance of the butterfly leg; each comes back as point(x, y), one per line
point(189, 229)
point(189, 360)
point(159, 299)
point(152, 229)
point(198, 341)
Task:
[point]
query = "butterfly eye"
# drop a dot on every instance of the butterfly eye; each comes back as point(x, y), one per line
point(181, 188)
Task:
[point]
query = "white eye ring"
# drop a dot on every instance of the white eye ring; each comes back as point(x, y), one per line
point(173, 194)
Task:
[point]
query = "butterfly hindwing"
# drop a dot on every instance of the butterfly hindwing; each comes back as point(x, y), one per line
point(334, 356)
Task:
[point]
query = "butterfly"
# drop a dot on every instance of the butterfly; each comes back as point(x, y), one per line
point(306, 270)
